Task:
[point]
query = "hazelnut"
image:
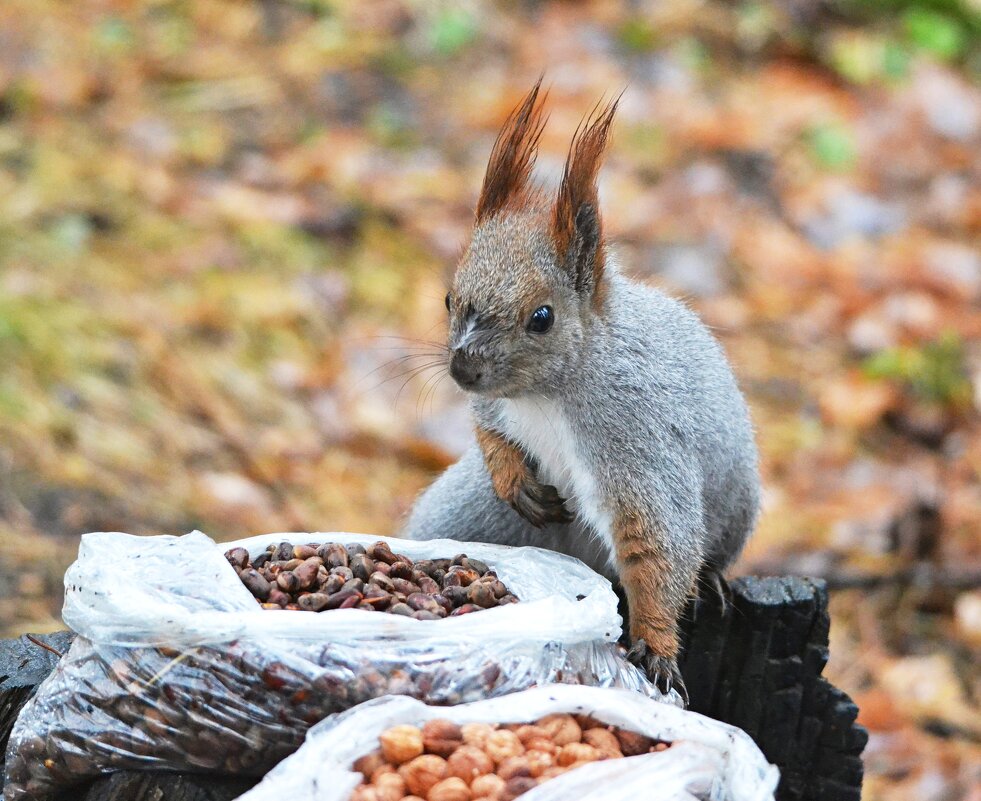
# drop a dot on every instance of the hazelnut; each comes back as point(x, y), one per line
point(381, 770)
point(517, 786)
point(389, 787)
point(401, 743)
point(468, 762)
point(603, 741)
point(476, 733)
point(423, 772)
point(451, 789)
point(441, 737)
point(364, 792)
point(562, 728)
point(529, 732)
point(412, 798)
point(539, 762)
point(503, 744)
point(367, 764)
point(514, 766)
point(552, 772)
point(632, 744)
point(577, 752)
point(488, 786)
point(542, 744)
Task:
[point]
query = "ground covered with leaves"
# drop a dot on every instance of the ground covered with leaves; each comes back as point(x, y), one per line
point(226, 227)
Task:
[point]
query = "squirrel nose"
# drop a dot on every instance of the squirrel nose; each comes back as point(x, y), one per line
point(464, 369)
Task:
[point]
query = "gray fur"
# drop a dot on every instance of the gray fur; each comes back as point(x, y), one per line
point(655, 412)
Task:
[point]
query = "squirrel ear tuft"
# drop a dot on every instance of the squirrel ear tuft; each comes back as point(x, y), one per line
point(506, 183)
point(577, 228)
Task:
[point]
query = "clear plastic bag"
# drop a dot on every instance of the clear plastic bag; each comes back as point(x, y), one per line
point(709, 759)
point(177, 667)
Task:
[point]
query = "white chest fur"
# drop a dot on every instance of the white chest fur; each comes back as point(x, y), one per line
point(543, 431)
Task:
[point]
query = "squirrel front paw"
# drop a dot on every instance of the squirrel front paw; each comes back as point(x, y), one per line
point(661, 670)
point(538, 503)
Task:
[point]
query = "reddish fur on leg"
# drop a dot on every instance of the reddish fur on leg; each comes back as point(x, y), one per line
point(645, 574)
point(515, 482)
point(505, 461)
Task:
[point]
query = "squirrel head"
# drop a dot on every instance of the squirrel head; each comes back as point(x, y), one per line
point(532, 276)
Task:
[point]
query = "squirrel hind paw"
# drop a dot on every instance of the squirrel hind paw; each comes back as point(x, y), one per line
point(662, 671)
point(540, 504)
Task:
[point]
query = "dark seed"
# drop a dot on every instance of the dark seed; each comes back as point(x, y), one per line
point(288, 582)
point(381, 580)
point(333, 554)
point(336, 600)
point(444, 602)
point(405, 587)
point(467, 575)
point(419, 600)
point(482, 595)
point(400, 570)
point(452, 580)
point(255, 583)
point(381, 552)
point(237, 558)
point(362, 566)
point(306, 575)
point(480, 567)
point(456, 595)
point(278, 597)
point(314, 602)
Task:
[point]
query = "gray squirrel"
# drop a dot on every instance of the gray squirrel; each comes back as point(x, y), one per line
point(609, 425)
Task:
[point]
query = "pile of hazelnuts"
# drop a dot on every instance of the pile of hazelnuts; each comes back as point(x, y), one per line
point(443, 761)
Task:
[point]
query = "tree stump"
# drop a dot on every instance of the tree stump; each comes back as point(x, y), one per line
point(754, 662)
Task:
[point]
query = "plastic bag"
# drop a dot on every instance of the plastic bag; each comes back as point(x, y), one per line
point(177, 666)
point(710, 760)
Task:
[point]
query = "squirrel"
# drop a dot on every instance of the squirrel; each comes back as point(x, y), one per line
point(609, 424)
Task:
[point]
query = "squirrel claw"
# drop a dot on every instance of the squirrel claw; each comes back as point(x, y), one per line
point(540, 504)
point(661, 670)
point(716, 582)
point(714, 593)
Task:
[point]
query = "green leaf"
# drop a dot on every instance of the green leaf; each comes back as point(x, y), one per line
point(452, 30)
point(637, 35)
point(936, 33)
point(832, 146)
point(934, 371)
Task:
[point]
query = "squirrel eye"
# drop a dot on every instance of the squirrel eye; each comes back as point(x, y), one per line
point(447, 301)
point(541, 320)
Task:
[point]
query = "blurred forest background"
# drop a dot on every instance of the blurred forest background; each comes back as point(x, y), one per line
point(226, 226)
